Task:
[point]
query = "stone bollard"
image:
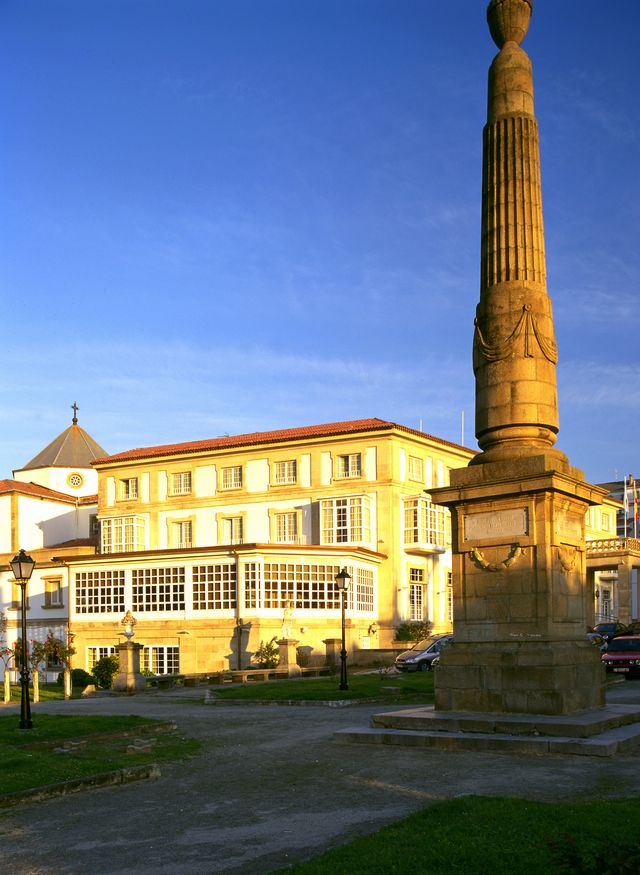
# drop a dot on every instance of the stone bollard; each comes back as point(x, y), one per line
point(7, 686)
point(68, 687)
point(36, 685)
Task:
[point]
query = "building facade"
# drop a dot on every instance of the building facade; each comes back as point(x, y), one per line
point(49, 508)
point(216, 546)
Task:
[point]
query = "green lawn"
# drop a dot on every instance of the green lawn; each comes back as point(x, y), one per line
point(402, 689)
point(478, 835)
point(23, 766)
point(48, 693)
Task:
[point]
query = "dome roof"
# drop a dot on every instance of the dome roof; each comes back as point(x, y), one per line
point(73, 448)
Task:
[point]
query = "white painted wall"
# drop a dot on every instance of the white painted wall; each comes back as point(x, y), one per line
point(370, 464)
point(56, 478)
point(5, 524)
point(204, 480)
point(257, 475)
point(304, 470)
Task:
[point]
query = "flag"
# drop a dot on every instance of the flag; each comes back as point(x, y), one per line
point(626, 499)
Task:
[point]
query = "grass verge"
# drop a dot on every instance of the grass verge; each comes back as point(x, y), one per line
point(397, 689)
point(501, 836)
point(48, 693)
point(23, 766)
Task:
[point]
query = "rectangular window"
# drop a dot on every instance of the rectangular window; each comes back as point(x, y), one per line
point(286, 527)
point(349, 466)
point(96, 653)
point(94, 526)
point(122, 534)
point(232, 477)
point(53, 592)
point(182, 534)
point(158, 589)
point(416, 594)
point(181, 483)
point(416, 468)
point(233, 530)
point(214, 587)
point(161, 660)
point(99, 592)
point(251, 585)
point(307, 587)
point(362, 598)
point(345, 520)
point(129, 488)
point(285, 472)
point(424, 523)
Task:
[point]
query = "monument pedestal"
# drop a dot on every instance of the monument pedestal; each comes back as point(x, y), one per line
point(521, 604)
point(289, 656)
point(129, 679)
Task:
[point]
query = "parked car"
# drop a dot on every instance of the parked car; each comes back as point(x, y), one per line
point(623, 655)
point(610, 629)
point(422, 654)
point(634, 628)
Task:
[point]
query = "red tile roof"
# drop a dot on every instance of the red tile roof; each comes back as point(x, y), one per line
point(8, 486)
point(261, 437)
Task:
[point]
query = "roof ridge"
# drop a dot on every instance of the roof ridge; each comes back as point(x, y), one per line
point(274, 436)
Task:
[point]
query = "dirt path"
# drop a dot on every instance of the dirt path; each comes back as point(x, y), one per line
point(270, 787)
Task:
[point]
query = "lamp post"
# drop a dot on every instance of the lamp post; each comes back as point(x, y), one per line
point(22, 567)
point(342, 582)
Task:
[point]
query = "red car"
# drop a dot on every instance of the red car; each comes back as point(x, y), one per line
point(623, 655)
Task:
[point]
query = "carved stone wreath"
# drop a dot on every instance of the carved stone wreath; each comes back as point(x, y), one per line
point(479, 560)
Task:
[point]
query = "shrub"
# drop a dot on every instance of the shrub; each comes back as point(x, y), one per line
point(79, 678)
point(268, 654)
point(413, 631)
point(105, 670)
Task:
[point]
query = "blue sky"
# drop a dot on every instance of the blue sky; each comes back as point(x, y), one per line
point(221, 216)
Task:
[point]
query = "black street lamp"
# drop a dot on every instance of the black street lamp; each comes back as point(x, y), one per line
point(22, 567)
point(342, 582)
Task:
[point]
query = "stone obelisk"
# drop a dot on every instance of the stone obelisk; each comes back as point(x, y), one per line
point(521, 601)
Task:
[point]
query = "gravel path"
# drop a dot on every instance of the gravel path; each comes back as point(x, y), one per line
point(270, 787)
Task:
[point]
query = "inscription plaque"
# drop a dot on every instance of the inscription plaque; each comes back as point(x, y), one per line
point(496, 524)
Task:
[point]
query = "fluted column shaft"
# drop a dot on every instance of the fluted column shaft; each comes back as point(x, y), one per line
point(514, 346)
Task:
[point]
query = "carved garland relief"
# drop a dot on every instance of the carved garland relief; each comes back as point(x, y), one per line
point(527, 324)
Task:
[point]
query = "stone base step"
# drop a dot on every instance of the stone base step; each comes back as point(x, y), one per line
point(608, 743)
point(583, 724)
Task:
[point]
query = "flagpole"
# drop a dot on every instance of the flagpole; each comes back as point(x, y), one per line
point(626, 507)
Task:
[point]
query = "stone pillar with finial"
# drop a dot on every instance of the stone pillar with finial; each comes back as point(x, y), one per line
point(521, 600)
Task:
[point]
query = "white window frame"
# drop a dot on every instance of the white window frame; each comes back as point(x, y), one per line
point(348, 465)
point(423, 522)
point(181, 483)
point(182, 534)
point(128, 488)
point(416, 469)
point(96, 652)
point(165, 657)
point(345, 520)
point(285, 471)
point(286, 527)
point(124, 534)
point(232, 477)
point(53, 592)
point(233, 530)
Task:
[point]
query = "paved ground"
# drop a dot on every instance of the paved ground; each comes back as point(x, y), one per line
point(270, 787)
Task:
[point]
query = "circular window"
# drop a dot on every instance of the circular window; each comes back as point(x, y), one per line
point(75, 480)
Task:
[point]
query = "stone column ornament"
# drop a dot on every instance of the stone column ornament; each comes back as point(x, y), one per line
point(514, 348)
point(521, 601)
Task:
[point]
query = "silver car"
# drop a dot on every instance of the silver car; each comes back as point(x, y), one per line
point(422, 654)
